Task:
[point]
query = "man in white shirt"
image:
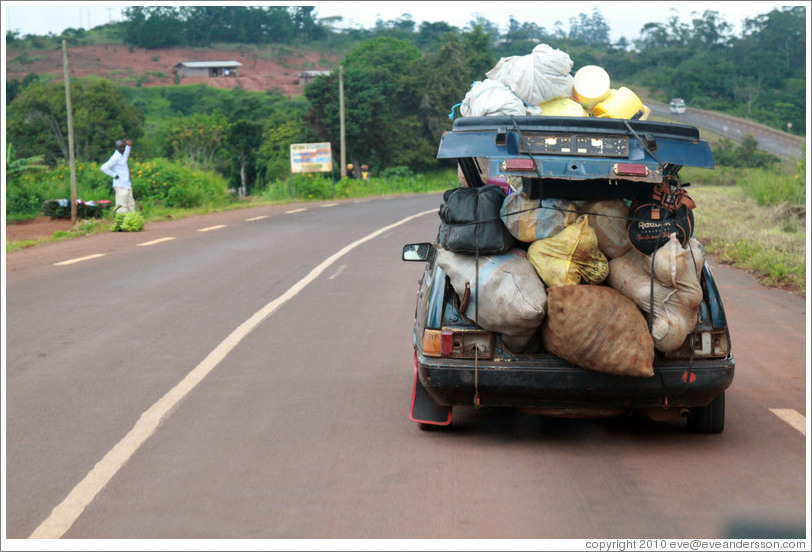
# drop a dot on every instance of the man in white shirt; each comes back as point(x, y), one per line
point(117, 168)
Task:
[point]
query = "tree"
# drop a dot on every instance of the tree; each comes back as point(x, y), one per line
point(380, 88)
point(592, 31)
point(710, 31)
point(197, 138)
point(243, 139)
point(37, 120)
point(274, 153)
point(153, 27)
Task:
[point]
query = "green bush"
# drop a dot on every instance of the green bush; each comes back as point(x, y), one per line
point(311, 186)
point(23, 197)
point(176, 185)
point(183, 196)
point(743, 155)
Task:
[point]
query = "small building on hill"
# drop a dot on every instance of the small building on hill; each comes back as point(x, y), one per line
point(307, 76)
point(206, 68)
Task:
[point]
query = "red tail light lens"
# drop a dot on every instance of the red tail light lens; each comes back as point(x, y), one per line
point(630, 169)
point(520, 165)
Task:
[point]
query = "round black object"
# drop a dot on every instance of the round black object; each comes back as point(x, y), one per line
point(650, 225)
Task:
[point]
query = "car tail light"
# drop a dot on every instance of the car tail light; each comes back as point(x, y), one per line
point(630, 169)
point(703, 344)
point(431, 344)
point(457, 343)
point(519, 165)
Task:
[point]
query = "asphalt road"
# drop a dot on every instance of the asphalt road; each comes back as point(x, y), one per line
point(251, 378)
point(782, 144)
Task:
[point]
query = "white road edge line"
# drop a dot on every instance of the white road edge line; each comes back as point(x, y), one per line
point(329, 205)
point(79, 259)
point(792, 417)
point(153, 242)
point(208, 229)
point(252, 219)
point(295, 211)
point(65, 514)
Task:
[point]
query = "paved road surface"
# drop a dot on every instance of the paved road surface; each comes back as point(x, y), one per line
point(300, 429)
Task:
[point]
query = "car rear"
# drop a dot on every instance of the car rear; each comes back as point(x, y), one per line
point(457, 362)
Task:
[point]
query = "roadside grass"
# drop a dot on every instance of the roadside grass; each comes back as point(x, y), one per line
point(769, 242)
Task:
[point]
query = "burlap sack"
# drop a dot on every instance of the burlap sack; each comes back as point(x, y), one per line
point(676, 290)
point(596, 327)
point(570, 257)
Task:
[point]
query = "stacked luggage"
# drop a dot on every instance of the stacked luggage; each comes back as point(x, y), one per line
point(540, 83)
point(509, 258)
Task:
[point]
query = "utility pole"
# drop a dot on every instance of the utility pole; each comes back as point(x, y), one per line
point(72, 161)
point(341, 119)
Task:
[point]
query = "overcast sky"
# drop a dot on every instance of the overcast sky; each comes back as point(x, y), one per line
point(624, 18)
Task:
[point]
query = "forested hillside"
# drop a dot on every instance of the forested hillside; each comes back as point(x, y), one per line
point(401, 80)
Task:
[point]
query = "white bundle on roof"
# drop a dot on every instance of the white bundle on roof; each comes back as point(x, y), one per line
point(537, 77)
point(490, 97)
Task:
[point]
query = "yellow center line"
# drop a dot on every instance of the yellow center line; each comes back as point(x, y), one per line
point(257, 218)
point(153, 242)
point(79, 259)
point(295, 211)
point(792, 417)
point(212, 228)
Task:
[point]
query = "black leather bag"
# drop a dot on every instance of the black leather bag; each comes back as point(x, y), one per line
point(654, 216)
point(471, 223)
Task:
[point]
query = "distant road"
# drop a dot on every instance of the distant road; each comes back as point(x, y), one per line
point(782, 144)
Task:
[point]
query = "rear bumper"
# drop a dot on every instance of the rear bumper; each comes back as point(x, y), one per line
point(547, 381)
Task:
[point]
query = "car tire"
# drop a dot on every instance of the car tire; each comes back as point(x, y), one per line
point(708, 419)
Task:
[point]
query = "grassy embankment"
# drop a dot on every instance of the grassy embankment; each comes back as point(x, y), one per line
point(747, 225)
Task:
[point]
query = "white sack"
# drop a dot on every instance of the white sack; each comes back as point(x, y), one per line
point(490, 97)
point(537, 77)
point(677, 291)
point(512, 299)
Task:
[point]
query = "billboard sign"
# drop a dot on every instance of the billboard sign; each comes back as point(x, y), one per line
point(307, 158)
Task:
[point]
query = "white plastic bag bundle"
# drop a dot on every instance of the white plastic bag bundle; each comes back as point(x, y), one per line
point(676, 288)
point(529, 220)
point(537, 77)
point(490, 97)
point(512, 299)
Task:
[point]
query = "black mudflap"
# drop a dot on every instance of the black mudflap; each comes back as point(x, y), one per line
point(424, 409)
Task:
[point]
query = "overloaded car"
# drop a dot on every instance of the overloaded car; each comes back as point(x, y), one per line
point(565, 279)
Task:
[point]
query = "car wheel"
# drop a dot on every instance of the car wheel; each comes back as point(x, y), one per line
point(708, 419)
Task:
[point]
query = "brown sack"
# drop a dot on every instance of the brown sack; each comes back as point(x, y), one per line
point(598, 328)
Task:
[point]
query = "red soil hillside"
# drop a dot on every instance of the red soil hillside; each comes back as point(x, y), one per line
point(155, 67)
